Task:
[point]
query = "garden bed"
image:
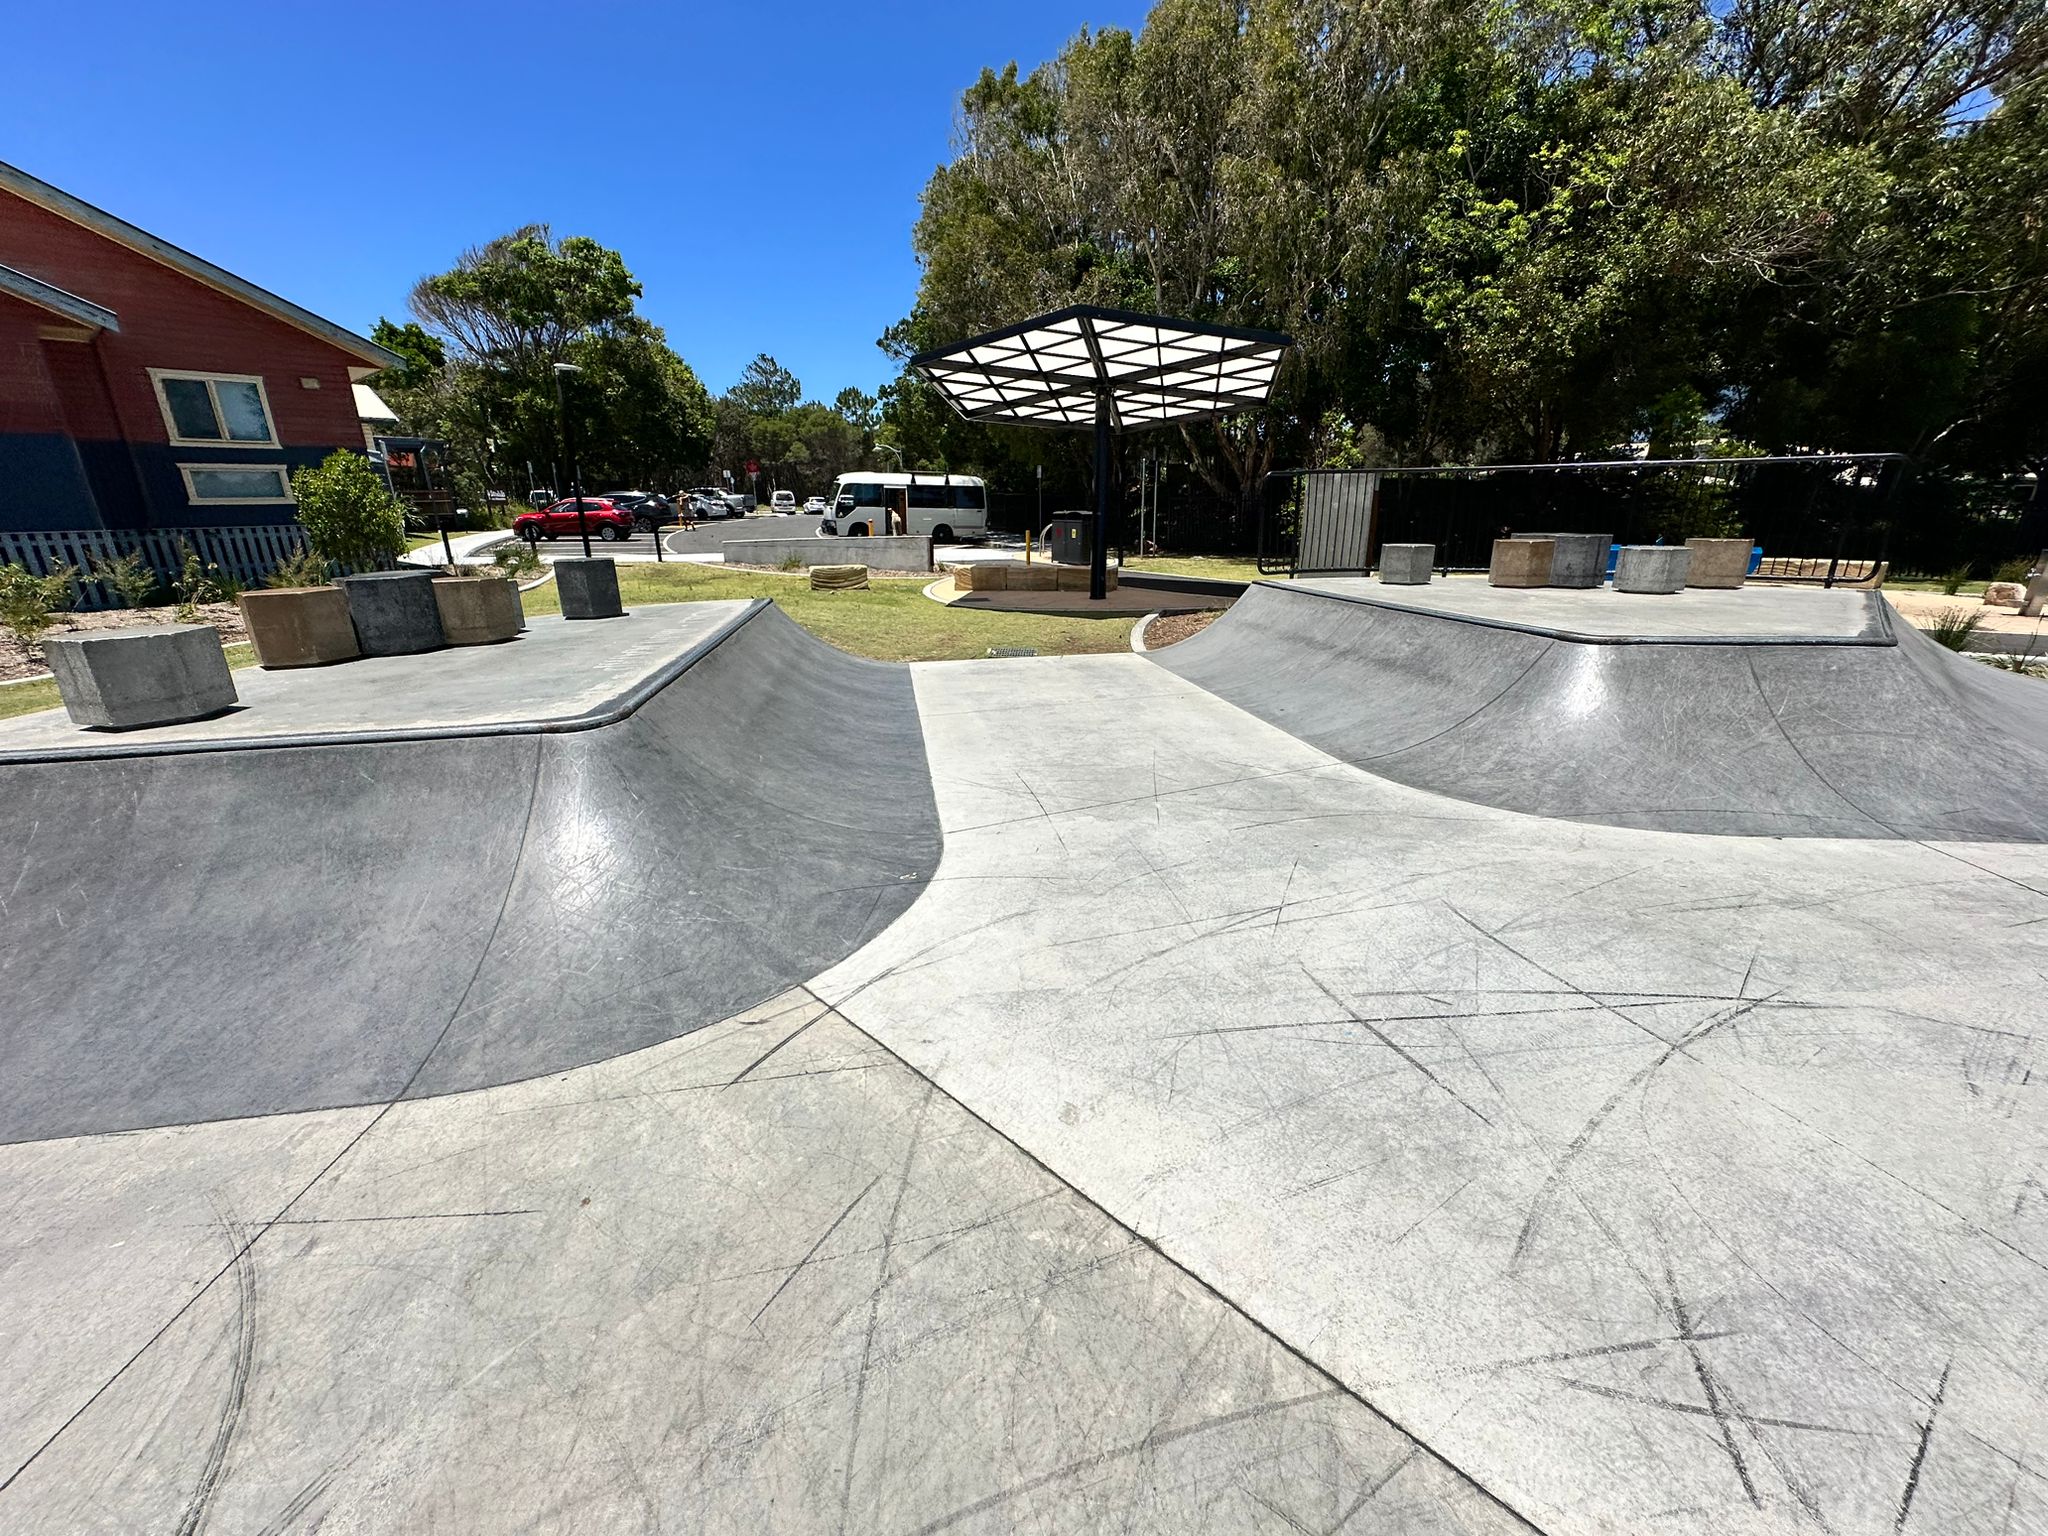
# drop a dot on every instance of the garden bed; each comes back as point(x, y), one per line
point(15, 661)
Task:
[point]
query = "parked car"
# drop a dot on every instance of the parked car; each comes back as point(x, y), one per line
point(782, 501)
point(741, 503)
point(720, 503)
point(559, 518)
point(815, 507)
point(648, 509)
point(705, 506)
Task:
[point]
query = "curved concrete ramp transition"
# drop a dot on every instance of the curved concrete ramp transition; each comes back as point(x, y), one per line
point(218, 934)
point(1850, 739)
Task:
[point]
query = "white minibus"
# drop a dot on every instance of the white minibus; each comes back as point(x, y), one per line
point(946, 507)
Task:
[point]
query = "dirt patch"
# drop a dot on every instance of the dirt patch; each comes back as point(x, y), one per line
point(1172, 628)
point(16, 662)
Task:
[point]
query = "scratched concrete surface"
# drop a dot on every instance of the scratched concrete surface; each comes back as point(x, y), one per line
point(1659, 1182)
point(1226, 1139)
point(763, 1278)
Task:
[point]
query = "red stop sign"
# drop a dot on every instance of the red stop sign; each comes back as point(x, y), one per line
point(753, 468)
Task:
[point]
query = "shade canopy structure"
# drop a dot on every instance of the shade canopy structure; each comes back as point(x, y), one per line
point(1106, 368)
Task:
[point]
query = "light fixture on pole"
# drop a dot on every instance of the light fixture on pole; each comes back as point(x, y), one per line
point(569, 448)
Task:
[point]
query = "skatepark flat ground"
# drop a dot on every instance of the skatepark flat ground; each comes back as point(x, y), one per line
point(557, 670)
point(1223, 1136)
point(1759, 615)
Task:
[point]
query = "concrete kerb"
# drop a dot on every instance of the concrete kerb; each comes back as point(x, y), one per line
point(1138, 631)
point(610, 712)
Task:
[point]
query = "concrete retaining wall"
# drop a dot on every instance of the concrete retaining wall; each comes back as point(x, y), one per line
point(900, 552)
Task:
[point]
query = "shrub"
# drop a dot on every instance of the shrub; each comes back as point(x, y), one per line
point(28, 600)
point(1952, 583)
point(791, 563)
point(2015, 570)
point(348, 513)
point(516, 558)
point(200, 581)
point(1955, 627)
point(130, 577)
point(305, 569)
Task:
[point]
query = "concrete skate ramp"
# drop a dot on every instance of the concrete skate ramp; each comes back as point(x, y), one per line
point(1891, 740)
point(217, 934)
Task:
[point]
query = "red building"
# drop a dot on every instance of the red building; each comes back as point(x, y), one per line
point(143, 388)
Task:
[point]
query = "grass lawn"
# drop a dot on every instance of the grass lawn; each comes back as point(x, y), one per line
point(27, 698)
point(892, 621)
point(1221, 567)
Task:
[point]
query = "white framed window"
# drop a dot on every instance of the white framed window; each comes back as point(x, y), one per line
point(214, 408)
point(229, 485)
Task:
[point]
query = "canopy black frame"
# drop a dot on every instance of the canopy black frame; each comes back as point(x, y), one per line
point(1110, 368)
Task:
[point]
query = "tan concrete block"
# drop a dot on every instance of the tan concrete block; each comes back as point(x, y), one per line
point(1034, 578)
point(477, 610)
point(1722, 563)
point(299, 626)
point(1521, 562)
point(990, 576)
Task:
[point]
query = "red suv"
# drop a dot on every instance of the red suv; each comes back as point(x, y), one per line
point(559, 520)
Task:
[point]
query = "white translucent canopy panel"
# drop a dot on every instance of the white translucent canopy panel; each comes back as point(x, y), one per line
point(1051, 371)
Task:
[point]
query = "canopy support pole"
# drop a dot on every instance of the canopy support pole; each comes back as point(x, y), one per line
point(1098, 557)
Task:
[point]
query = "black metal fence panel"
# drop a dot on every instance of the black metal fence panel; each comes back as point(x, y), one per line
point(1836, 511)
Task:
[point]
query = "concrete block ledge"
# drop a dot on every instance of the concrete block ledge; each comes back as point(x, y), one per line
point(910, 553)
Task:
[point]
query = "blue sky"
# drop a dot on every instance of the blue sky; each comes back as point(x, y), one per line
point(758, 164)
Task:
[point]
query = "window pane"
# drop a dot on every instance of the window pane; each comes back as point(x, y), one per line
point(191, 408)
point(242, 405)
point(238, 484)
point(866, 494)
point(967, 498)
point(930, 496)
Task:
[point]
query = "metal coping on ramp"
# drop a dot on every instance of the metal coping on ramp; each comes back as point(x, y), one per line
point(609, 712)
point(1869, 739)
point(200, 936)
point(1876, 627)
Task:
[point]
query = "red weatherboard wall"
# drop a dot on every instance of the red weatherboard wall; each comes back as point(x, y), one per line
point(83, 442)
point(169, 320)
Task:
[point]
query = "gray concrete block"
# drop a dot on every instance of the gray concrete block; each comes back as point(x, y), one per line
point(394, 612)
point(1521, 562)
point(590, 588)
point(1580, 559)
point(892, 552)
point(134, 677)
point(1652, 568)
point(1406, 565)
point(1720, 563)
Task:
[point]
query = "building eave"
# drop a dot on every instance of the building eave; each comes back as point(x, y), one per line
point(65, 206)
point(48, 296)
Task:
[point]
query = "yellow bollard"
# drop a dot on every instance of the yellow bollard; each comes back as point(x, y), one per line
point(1027, 546)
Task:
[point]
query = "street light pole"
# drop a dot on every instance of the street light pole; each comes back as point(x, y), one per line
point(569, 447)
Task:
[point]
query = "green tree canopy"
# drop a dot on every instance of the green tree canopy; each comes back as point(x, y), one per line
point(480, 362)
point(1524, 228)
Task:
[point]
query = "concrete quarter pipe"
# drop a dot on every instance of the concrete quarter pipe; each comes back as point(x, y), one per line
point(215, 934)
point(1876, 732)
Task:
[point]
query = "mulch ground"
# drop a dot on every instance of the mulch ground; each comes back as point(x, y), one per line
point(15, 660)
point(1172, 628)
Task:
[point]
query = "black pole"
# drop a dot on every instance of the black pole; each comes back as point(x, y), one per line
point(1098, 559)
point(575, 469)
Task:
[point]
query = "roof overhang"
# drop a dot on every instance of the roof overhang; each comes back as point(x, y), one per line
point(54, 300)
point(65, 206)
point(1145, 370)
